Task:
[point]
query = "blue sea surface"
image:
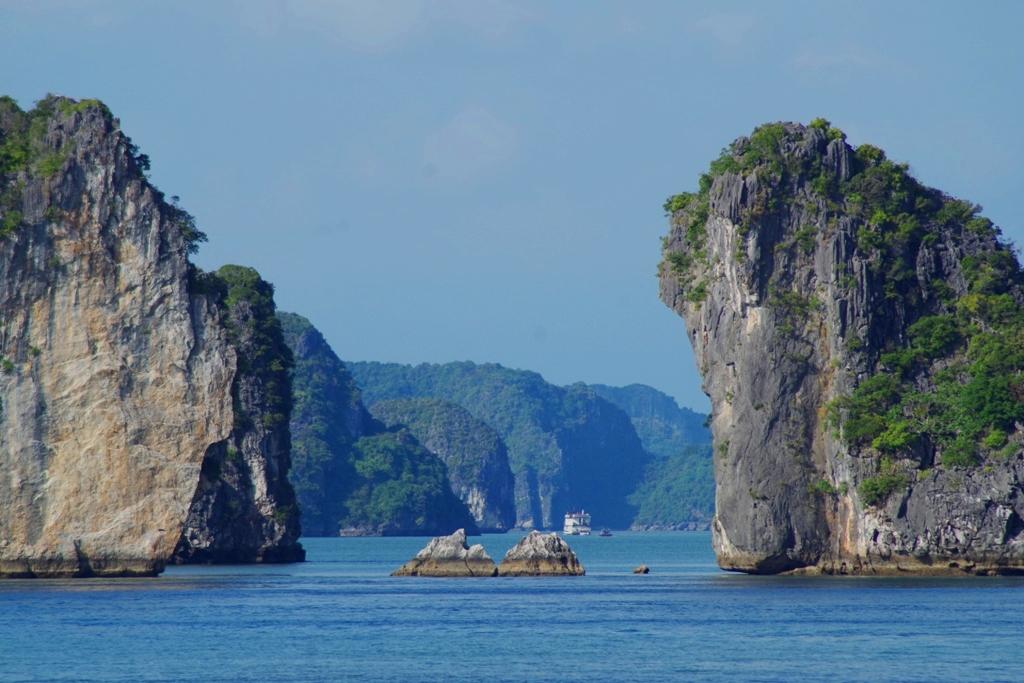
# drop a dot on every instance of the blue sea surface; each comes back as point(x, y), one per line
point(339, 616)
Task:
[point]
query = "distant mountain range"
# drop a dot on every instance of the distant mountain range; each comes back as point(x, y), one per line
point(629, 455)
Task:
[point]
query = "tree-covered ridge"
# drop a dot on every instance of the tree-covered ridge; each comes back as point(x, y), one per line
point(400, 488)
point(678, 487)
point(327, 418)
point(349, 471)
point(474, 453)
point(568, 448)
point(434, 420)
point(662, 425)
point(678, 490)
point(940, 368)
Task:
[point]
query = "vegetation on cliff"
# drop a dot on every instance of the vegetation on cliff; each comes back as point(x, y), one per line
point(948, 377)
point(860, 335)
point(30, 146)
point(251, 317)
point(246, 476)
point(350, 472)
point(103, 316)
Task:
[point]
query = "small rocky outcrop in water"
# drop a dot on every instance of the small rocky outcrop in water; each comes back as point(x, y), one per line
point(859, 335)
point(539, 554)
point(449, 556)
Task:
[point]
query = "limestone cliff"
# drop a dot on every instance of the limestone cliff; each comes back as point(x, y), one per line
point(116, 374)
point(859, 336)
point(475, 455)
point(538, 554)
point(244, 509)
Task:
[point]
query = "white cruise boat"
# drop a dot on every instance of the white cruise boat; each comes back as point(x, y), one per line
point(576, 524)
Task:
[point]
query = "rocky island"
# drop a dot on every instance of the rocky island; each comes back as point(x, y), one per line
point(860, 337)
point(538, 554)
point(137, 416)
point(449, 556)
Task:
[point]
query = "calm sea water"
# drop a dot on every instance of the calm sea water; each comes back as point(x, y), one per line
point(340, 617)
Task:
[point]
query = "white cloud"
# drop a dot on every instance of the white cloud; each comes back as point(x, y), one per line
point(363, 25)
point(382, 25)
point(843, 58)
point(490, 19)
point(473, 142)
point(372, 26)
point(847, 59)
point(727, 28)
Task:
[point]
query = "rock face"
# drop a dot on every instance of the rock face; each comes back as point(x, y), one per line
point(567, 447)
point(539, 554)
point(449, 556)
point(117, 373)
point(245, 509)
point(352, 474)
point(678, 488)
point(475, 455)
point(859, 337)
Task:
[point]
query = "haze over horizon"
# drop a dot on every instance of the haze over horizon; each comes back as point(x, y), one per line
point(432, 182)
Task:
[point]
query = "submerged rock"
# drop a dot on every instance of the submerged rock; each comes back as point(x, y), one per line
point(449, 556)
point(540, 554)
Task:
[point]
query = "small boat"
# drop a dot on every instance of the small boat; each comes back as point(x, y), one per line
point(605, 533)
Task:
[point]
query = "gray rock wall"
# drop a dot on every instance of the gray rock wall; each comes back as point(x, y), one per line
point(787, 310)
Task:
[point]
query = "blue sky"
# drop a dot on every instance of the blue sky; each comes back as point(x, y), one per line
point(483, 180)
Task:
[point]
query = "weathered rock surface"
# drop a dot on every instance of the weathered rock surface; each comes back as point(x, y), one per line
point(117, 374)
point(474, 453)
point(245, 509)
point(800, 269)
point(353, 476)
point(567, 447)
point(539, 554)
point(449, 556)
